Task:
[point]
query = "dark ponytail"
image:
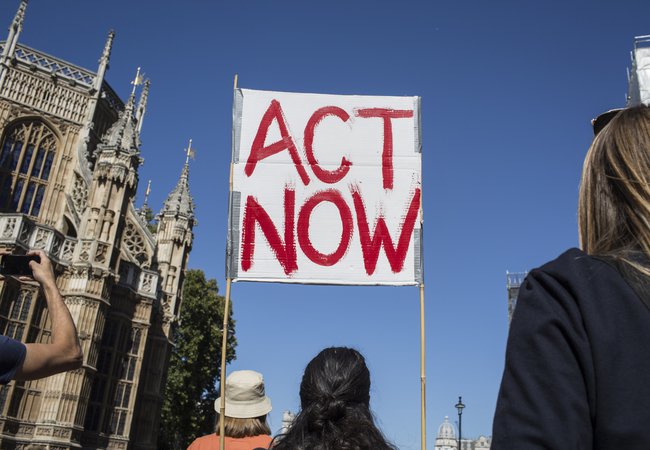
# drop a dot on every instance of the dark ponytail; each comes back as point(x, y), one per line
point(335, 401)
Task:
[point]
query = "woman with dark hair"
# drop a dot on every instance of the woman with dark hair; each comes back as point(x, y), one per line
point(335, 402)
point(578, 358)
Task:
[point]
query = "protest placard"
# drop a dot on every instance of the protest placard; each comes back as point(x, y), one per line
point(326, 189)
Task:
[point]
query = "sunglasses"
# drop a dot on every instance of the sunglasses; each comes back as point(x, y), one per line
point(602, 120)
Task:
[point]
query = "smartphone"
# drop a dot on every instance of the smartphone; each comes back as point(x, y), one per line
point(17, 264)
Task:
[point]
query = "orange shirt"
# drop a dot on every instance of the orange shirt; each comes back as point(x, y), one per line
point(211, 442)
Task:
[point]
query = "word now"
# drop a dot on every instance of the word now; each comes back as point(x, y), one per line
point(259, 151)
point(285, 251)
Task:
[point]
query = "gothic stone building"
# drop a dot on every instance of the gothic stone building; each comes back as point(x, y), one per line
point(69, 159)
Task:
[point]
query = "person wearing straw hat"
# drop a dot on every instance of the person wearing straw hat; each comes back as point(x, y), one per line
point(247, 405)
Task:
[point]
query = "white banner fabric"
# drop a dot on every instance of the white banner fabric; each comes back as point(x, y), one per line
point(326, 189)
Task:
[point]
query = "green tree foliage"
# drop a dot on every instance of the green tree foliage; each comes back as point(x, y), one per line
point(150, 218)
point(195, 365)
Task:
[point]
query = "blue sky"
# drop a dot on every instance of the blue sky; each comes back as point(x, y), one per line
point(508, 89)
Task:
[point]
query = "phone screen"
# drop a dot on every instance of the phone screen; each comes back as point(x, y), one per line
point(17, 264)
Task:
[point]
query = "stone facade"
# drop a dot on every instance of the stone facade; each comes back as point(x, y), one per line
point(69, 160)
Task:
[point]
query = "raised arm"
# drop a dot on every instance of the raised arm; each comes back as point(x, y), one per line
point(63, 352)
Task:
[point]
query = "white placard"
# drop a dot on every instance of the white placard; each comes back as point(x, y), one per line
point(326, 189)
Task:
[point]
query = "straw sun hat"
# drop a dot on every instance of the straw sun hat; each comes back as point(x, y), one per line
point(245, 396)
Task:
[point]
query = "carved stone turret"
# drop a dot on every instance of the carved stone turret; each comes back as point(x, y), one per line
point(114, 183)
point(174, 237)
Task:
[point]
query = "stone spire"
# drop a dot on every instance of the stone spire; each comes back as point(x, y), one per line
point(146, 195)
point(20, 15)
point(12, 40)
point(83, 142)
point(104, 61)
point(142, 105)
point(14, 29)
point(180, 201)
point(144, 209)
point(174, 238)
point(123, 133)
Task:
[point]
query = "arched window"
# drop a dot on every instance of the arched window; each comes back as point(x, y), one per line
point(26, 159)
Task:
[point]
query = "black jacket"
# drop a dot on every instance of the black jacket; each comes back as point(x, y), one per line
point(577, 372)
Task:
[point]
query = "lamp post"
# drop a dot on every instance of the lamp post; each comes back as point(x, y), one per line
point(459, 407)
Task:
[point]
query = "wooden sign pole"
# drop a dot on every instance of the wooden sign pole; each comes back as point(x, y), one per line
point(224, 343)
point(423, 379)
point(224, 337)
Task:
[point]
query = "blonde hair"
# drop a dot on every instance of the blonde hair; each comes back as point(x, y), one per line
point(241, 428)
point(614, 200)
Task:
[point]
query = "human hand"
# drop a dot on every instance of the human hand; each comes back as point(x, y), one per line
point(43, 271)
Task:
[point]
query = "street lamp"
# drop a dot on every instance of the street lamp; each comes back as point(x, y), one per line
point(459, 407)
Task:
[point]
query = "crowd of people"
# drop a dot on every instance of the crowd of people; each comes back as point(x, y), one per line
point(575, 361)
point(335, 409)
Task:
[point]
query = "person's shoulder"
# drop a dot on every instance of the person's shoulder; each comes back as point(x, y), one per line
point(6, 340)
point(572, 277)
point(12, 355)
point(573, 257)
point(207, 438)
point(574, 265)
point(204, 442)
point(11, 348)
point(261, 440)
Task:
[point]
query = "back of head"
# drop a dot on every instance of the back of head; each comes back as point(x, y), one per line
point(614, 203)
point(335, 401)
point(246, 405)
point(335, 377)
point(235, 427)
